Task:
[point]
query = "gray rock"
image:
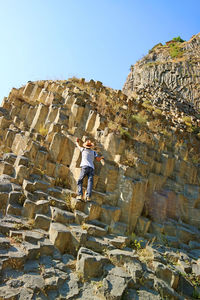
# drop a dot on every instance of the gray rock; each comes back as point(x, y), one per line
point(14, 209)
point(42, 207)
point(26, 294)
point(113, 287)
point(53, 282)
point(196, 269)
point(42, 221)
point(32, 236)
point(90, 291)
point(185, 288)
point(3, 199)
point(165, 273)
point(70, 289)
point(31, 266)
point(60, 236)
point(122, 256)
point(165, 291)
point(61, 216)
point(89, 263)
point(146, 294)
point(5, 186)
point(8, 293)
point(46, 247)
point(97, 244)
point(131, 294)
point(33, 281)
point(80, 217)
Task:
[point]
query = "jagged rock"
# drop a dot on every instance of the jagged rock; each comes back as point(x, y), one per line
point(147, 185)
point(123, 256)
point(14, 209)
point(89, 263)
point(42, 221)
point(98, 244)
point(70, 288)
point(185, 288)
point(93, 210)
point(118, 228)
point(166, 274)
point(60, 236)
point(62, 216)
point(95, 230)
point(110, 213)
point(115, 283)
point(79, 237)
point(80, 217)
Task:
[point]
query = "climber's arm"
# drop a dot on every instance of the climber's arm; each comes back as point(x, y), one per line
point(77, 144)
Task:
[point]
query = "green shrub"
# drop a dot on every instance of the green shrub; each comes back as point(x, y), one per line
point(178, 39)
point(175, 50)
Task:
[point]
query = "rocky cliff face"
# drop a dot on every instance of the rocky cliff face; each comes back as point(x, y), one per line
point(175, 67)
point(146, 196)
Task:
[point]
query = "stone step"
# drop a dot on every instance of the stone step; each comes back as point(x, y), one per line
point(4, 243)
point(117, 241)
point(80, 217)
point(32, 236)
point(14, 209)
point(98, 244)
point(99, 224)
point(57, 202)
point(62, 216)
point(42, 222)
point(93, 230)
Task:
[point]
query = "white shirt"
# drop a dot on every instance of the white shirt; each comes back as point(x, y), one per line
point(88, 156)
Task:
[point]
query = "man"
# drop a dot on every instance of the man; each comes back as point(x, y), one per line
point(87, 168)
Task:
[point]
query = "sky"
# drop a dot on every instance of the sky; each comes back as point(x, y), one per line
point(100, 40)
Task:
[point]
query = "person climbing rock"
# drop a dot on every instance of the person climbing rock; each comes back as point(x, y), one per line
point(87, 168)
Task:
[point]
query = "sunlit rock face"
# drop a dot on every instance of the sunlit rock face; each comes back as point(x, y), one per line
point(139, 235)
point(173, 67)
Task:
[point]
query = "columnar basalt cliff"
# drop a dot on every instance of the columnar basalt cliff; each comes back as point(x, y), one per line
point(174, 66)
point(139, 237)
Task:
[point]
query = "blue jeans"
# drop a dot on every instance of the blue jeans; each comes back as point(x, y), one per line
point(89, 172)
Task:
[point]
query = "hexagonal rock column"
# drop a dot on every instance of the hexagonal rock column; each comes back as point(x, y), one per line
point(60, 236)
point(89, 263)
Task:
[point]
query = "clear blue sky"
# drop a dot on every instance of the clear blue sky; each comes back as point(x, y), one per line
point(57, 39)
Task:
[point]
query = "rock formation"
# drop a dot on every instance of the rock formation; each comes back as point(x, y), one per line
point(139, 237)
point(174, 66)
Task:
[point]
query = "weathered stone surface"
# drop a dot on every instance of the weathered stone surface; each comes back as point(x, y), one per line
point(14, 209)
point(61, 216)
point(95, 230)
point(70, 288)
point(79, 237)
point(80, 217)
point(60, 236)
point(98, 244)
point(6, 168)
point(42, 221)
point(110, 213)
point(90, 263)
point(115, 283)
point(39, 117)
point(93, 210)
point(166, 274)
point(29, 209)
